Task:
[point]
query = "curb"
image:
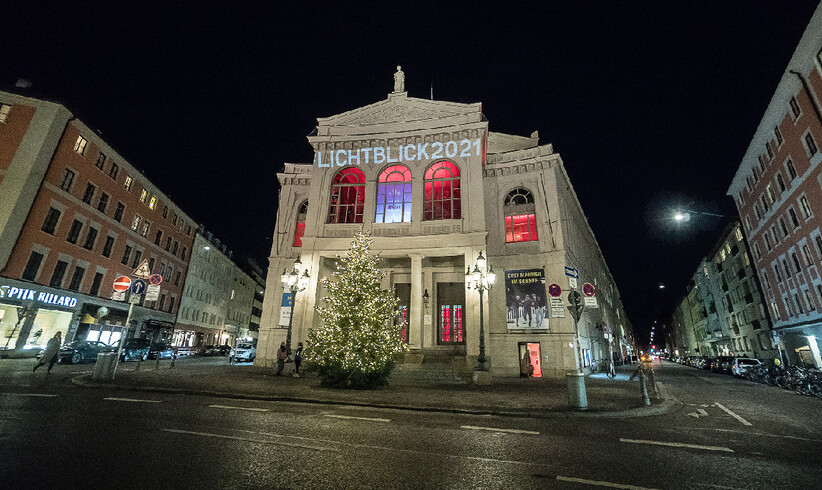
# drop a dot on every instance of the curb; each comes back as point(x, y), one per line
point(667, 404)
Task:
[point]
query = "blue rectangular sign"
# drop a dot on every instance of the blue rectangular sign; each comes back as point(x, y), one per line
point(571, 272)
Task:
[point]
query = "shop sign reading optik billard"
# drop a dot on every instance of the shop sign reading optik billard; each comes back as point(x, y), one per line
point(9, 292)
point(404, 153)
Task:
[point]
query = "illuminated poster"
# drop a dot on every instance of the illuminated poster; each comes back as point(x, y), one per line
point(525, 299)
point(285, 309)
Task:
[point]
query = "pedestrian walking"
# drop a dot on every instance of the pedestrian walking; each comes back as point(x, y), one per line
point(298, 359)
point(52, 352)
point(281, 357)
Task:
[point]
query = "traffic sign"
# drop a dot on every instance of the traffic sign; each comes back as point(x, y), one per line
point(155, 279)
point(143, 272)
point(571, 272)
point(138, 286)
point(588, 289)
point(554, 290)
point(152, 292)
point(572, 281)
point(122, 283)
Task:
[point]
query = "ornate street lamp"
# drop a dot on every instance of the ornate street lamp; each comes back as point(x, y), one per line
point(295, 283)
point(481, 280)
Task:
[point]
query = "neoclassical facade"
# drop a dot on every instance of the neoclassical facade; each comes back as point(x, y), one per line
point(435, 188)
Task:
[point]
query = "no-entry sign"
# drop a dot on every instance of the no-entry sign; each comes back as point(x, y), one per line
point(122, 283)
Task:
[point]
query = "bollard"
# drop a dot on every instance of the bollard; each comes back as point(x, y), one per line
point(173, 358)
point(139, 362)
point(577, 396)
point(643, 389)
point(158, 361)
point(653, 382)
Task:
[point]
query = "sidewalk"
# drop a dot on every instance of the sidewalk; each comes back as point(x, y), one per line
point(513, 397)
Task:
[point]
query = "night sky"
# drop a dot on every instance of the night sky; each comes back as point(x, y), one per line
point(649, 107)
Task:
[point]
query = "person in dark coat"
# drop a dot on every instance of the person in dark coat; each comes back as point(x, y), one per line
point(282, 355)
point(52, 352)
point(298, 359)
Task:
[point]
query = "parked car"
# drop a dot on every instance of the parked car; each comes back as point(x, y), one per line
point(244, 351)
point(83, 351)
point(135, 350)
point(162, 351)
point(217, 350)
point(709, 363)
point(722, 364)
point(742, 364)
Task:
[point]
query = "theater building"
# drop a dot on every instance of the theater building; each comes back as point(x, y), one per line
point(74, 215)
point(435, 188)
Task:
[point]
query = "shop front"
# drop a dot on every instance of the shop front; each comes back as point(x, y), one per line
point(30, 315)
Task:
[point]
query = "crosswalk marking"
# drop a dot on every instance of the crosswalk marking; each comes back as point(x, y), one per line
point(737, 417)
point(496, 429)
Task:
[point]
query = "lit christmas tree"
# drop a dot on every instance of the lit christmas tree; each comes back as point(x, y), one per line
point(358, 343)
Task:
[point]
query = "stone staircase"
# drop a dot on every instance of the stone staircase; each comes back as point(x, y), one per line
point(431, 368)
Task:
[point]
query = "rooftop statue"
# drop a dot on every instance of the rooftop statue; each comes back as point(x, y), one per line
point(399, 80)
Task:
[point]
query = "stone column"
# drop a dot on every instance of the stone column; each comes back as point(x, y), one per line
point(415, 328)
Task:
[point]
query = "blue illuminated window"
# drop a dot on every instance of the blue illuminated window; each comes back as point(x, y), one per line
point(394, 195)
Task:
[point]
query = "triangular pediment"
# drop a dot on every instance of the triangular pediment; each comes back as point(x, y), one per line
point(399, 109)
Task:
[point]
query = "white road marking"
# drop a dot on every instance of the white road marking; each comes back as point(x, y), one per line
point(370, 419)
point(737, 417)
point(754, 433)
point(495, 429)
point(135, 400)
point(702, 412)
point(678, 444)
point(246, 439)
point(251, 409)
point(600, 483)
point(44, 395)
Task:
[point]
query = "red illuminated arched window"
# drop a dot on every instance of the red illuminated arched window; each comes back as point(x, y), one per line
point(520, 221)
point(299, 229)
point(442, 192)
point(347, 196)
point(394, 195)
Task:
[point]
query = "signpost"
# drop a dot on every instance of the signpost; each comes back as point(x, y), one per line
point(577, 395)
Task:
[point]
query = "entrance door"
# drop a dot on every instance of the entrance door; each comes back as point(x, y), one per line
point(450, 305)
point(403, 291)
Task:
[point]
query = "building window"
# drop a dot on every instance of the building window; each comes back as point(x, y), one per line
point(442, 197)
point(151, 263)
point(171, 305)
point(158, 237)
point(80, 145)
point(74, 232)
point(769, 151)
point(118, 213)
point(174, 248)
point(791, 170)
point(143, 195)
point(520, 220)
point(771, 195)
point(183, 254)
point(177, 279)
point(126, 255)
point(95, 284)
point(50, 223)
point(805, 207)
point(767, 242)
point(764, 203)
point(32, 266)
point(783, 227)
point(794, 219)
point(168, 244)
point(102, 203)
point(778, 135)
point(788, 307)
point(394, 195)
point(767, 280)
point(778, 274)
point(786, 268)
point(89, 193)
point(101, 161)
point(138, 254)
point(797, 267)
point(756, 251)
point(77, 278)
point(152, 203)
point(108, 246)
point(806, 254)
point(810, 145)
point(757, 212)
point(135, 222)
point(128, 182)
point(781, 183)
point(798, 304)
point(811, 306)
point(58, 274)
point(112, 172)
point(5, 109)
point(91, 237)
point(68, 179)
point(165, 212)
point(795, 108)
point(144, 230)
point(347, 196)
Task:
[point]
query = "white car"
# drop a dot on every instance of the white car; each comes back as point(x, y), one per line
point(741, 364)
point(244, 351)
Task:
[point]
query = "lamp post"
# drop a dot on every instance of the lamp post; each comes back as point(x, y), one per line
point(295, 283)
point(481, 280)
